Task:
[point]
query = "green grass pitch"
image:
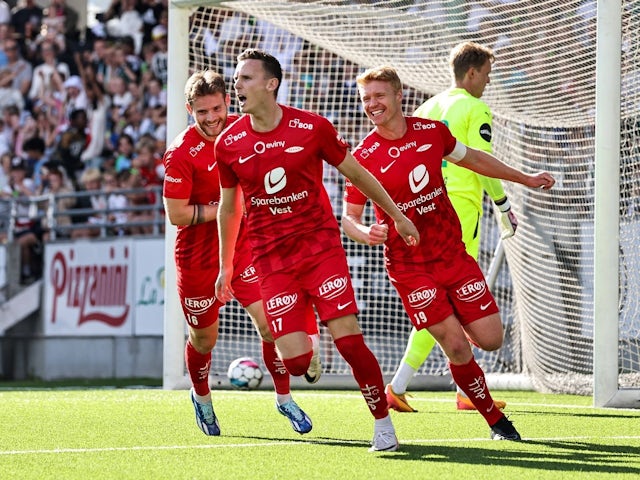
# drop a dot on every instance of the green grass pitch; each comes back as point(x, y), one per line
point(150, 433)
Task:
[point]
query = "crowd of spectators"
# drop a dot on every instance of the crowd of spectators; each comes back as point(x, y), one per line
point(81, 110)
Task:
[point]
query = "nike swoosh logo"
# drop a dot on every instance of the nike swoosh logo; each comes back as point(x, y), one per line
point(211, 167)
point(242, 160)
point(342, 307)
point(490, 408)
point(484, 307)
point(384, 169)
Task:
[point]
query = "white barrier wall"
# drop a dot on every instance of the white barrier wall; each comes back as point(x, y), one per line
point(104, 288)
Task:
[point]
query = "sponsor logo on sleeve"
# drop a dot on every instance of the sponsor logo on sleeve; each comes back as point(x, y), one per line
point(485, 132)
point(170, 179)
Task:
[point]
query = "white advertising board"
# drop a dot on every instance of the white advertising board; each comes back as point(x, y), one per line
point(148, 287)
point(112, 288)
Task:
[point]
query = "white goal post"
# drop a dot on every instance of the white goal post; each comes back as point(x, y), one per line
point(569, 287)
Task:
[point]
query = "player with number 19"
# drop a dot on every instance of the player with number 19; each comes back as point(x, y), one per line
point(469, 119)
point(441, 286)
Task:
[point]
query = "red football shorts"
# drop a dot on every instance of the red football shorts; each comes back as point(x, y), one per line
point(322, 280)
point(432, 294)
point(196, 289)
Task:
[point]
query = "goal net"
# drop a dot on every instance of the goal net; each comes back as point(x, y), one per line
point(543, 97)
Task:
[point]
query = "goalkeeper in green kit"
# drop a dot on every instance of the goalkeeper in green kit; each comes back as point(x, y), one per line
point(469, 120)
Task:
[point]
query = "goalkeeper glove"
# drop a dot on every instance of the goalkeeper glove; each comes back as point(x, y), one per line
point(508, 220)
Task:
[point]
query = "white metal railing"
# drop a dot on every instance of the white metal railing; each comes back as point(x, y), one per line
point(45, 207)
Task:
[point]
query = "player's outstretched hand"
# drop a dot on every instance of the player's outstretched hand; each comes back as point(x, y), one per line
point(408, 231)
point(224, 290)
point(542, 180)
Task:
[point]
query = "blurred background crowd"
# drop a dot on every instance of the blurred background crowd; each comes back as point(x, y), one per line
point(73, 101)
point(81, 110)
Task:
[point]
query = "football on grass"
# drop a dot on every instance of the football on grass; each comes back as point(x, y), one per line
point(245, 373)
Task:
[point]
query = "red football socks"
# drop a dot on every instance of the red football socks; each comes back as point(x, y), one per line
point(198, 365)
point(366, 371)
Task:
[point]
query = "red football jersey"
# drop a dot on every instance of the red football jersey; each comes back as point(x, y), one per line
point(410, 169)
point(289, 214)
point(191, 172)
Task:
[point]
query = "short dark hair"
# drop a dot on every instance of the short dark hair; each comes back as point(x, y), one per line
point(270, 63)
point(77, 113)
point(34, 143)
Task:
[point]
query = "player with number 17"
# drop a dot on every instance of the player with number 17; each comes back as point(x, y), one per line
point(272, 159)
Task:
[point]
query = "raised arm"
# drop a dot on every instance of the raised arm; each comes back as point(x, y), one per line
point(486, 164)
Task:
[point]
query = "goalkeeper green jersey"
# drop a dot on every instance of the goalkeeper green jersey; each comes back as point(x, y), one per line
point(469, 120)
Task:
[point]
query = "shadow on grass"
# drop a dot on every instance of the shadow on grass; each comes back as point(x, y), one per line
point(560, 456)
point(548, 455)
point(340, 442)
point(573, 414)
